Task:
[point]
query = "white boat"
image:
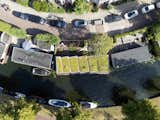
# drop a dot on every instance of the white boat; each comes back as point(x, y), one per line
point(1, 89)
point(19, 95)
point(88, 105)
point(59, 103)
point(40, 72)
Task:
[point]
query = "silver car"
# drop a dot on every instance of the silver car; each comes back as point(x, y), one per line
point(131, 14)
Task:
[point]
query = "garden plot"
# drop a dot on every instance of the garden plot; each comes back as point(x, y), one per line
point(82, 64)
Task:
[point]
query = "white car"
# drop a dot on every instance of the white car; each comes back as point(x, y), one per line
point(88, 105)
point(158, 4)
point(147, 9)
point(131, 14)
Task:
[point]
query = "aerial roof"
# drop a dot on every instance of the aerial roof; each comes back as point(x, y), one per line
point(32, 58)
point(132, 56)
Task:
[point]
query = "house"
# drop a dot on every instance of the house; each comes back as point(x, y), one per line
point(5, 41)
point(32, 58)
point(97, 2)
point(131, 56)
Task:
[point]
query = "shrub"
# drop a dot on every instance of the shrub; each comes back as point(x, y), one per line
point(17, 32)
point(122, 95)
point(40, 5)
point(49, 38)
point(45, 6)
point(82, 6)
point(23, 2)
point(155, 49)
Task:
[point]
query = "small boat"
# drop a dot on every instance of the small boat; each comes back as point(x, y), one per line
point(41, 72)
point(88, 105)
point(1, 89)
point(19, 95)
point(59, 103)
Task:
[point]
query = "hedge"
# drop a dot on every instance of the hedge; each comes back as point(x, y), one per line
point(23, 2)
point(14, 31)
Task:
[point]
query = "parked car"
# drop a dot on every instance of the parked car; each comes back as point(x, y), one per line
point(20, 15)
point(147, 9)
point(113, 18)
point(1, 89)
point(88, 105)
point(131, 14)
point(80, 23)
point(40, 72)
point(97, 21)
point(59, 103)
point(57, 23)
point(30, 17)
point(158, 4)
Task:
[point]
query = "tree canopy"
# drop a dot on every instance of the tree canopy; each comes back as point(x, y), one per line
point(140, 110)
point(74, 113)
point(18, 110)
point(49, 38)
point(100, 44)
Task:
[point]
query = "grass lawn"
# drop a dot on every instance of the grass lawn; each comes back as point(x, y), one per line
point(92, 64)
point(74, 64)
point(103, 63)
point(83, 64)
point(66, 64)
point(59, 66)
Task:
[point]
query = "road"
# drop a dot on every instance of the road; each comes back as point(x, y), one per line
point(75, 34)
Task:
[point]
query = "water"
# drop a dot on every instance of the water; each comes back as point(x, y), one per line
point(94, 87)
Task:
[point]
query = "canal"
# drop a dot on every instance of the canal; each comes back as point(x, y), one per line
point(93, 87)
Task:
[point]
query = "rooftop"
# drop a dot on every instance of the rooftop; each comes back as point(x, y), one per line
point(32, 58)
point(132, 56)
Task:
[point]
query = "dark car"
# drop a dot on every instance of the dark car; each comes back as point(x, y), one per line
point(80, 23)
point(57, 23)
point(113, 18)
point(20, 15)
point(30, 17)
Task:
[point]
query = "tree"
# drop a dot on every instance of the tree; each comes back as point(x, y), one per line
point(100, 44)
point(140, 110)
point(121, 94)
point(153, 84)
point(82, 6)
point(49, 38)
point(74, 113)
point(18, 110)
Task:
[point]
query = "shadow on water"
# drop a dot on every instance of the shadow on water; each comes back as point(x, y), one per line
point(99, 87)
point(23, 81)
